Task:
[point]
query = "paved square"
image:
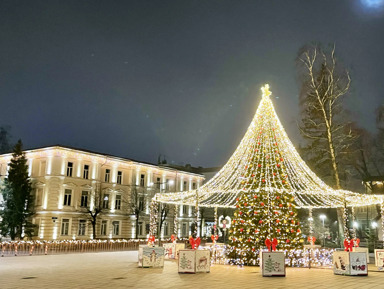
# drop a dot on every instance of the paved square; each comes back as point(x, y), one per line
point(119, 270)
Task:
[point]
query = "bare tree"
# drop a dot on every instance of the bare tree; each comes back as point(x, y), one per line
point(324, 84)
point(163, 214)
point(324, 121)
point(137, 205)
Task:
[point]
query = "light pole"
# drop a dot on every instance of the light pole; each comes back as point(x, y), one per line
point(323, 217)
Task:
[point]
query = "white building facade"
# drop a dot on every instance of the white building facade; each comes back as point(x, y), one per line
point(69, 182)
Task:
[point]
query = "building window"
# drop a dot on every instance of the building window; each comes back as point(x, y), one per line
point(166, 229)
point(106, 201)
point(193, 186)
point(86, 172)
point(140, 229)
point(118, 202)
point(103, 231)
point(69, 169)
point(184, 231)
point(141, 204)
point(116, 228)
point(107, 175)
point(84, 199)
point(142, 180)
point(67, 197)
point(119, 177)
point(167, 184)
point(39, 197)
point(82, 226)
point(185, 209)
point(65, 227)
point(184, 186)
point(42, 168)
point(158, 183)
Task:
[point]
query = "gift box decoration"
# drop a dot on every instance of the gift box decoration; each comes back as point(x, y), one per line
point(151, 256)
point(273, 264)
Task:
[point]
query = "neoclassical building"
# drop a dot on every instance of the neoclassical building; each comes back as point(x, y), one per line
point(67, 182)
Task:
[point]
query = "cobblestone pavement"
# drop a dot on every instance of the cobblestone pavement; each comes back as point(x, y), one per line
point(119, 270)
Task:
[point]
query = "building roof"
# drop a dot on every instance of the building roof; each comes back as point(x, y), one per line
point(59, 146)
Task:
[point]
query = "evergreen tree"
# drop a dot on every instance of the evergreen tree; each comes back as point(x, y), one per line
point(17, 207)
point(264, 209)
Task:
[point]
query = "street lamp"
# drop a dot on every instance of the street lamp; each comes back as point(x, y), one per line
point(323, 217)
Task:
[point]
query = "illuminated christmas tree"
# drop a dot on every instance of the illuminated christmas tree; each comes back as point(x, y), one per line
point(265, 209)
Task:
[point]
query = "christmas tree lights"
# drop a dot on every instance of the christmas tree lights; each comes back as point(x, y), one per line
point(267, 162)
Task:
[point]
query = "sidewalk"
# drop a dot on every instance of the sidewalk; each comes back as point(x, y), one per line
point(119, 270)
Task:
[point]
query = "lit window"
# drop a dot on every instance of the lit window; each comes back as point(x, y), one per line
point(67, 197)
point(118, 202)
point(86, 172)
point(140, 229)
point(194, 186)
point(65, 227)
point(84, 199)
point(82, 227)
point(119, 177)
point(106, 201)
point(185, 209)
point(69, 169)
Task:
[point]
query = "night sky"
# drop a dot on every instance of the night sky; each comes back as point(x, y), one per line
point(178, 78)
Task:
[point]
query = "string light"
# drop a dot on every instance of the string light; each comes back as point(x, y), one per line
point(307, 189)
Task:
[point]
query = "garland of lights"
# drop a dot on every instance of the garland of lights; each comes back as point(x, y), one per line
point(176, 221)
point(227, 185)
point(153, 218)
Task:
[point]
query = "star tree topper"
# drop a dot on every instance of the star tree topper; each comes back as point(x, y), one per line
point(266, 91)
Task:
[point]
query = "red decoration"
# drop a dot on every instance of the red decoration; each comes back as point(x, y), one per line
point(151, 239)
point(288, 241)
point(292, 230)
point(292, 221)
point(261, 204)
point(298, 230)
point(274, 243)
point(242, 221)
point(348, 245)
point(311, 240)
point(259, 165)
point(278, 165)
point(256, 231)
point(195, 243)
point(253, 175)
point(245, 204)
point(274, 174)
point(173, 238)
point(263, 180)
point(255, 196)
point(277, 221)
point(241, 229)
point(278, 230)
point(214, 238)
point(261, 221)
point(240, 213)
point(357, 242)
point(255, 212)
point(291, 213)
point(277, 198)
point(276, 212)
point(280, 205)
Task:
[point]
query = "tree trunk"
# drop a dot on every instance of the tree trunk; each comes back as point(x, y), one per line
point(137, 226)
point(94, 229)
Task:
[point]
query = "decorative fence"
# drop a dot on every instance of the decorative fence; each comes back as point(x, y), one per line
point(25, 248)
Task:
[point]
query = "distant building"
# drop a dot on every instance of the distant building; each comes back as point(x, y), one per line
point(368, 217)
point(66, 181)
